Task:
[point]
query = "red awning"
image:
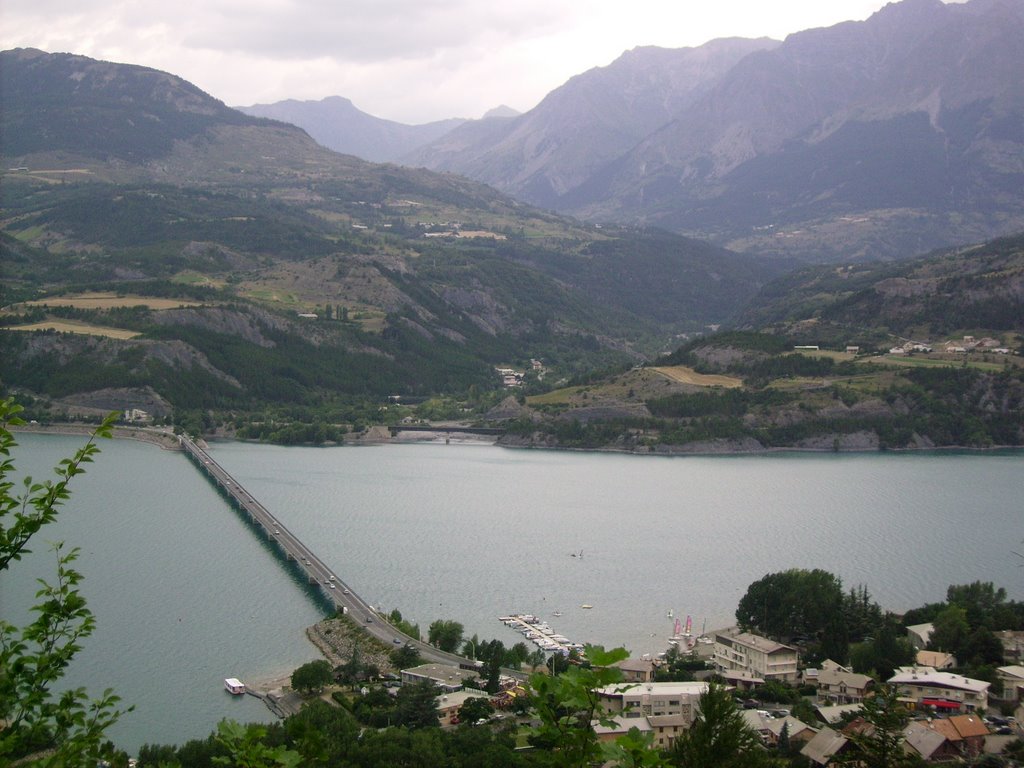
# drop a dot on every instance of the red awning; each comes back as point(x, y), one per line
point(940, 704)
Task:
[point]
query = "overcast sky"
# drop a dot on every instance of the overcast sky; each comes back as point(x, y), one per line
point(408, 60)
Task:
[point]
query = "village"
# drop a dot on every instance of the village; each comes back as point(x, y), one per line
point(953, 346)
point(950, 717)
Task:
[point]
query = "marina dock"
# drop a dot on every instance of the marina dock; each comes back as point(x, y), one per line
point(540, 633)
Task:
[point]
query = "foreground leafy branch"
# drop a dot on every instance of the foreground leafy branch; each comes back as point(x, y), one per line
point(37, 725)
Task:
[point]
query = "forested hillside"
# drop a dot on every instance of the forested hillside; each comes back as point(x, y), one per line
point(919, 354)
point(305, 278)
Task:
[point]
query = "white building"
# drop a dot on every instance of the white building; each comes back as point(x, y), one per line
point(652, 699)
point(759, 656)
point(945, 692)
point(446, 677)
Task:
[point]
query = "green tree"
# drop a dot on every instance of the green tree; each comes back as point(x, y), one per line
point(783, 746)
point(678, 666)
point(981, 647)
point(492, 653)
point(797, 603)
point(445, 634)
point(567, 703)
point(880, 655)
point(474, 709)
point(719, 736)
point(406, 657)
point(312, 676)
point(880, 745)
point(951, 631)
point(350, 672)
point(246, 748)
point(469, 647)
point(33, 658)
point(416, 705)
point(982, 603)
point(323, 734)
point(804, 711)
point(403, 626)
point(633, 750)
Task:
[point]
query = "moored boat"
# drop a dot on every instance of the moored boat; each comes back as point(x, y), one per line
point(234, 686)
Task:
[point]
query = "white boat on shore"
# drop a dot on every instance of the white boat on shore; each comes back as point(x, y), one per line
point(234, 686)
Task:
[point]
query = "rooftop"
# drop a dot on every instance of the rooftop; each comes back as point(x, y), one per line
point(622, 725)
point(443, 673)
point(1014, 670)
point(935, 659)
point(823, 746)
point(928, 676)
point(635, 690)
point(835, 677)
point(756, 642)
point(458, 698)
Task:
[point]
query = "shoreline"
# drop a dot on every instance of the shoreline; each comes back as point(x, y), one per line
point(167, 440)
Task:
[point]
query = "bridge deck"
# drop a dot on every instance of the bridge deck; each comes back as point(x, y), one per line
point(292, 550)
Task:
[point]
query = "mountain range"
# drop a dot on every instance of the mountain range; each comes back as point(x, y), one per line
point(872, 139)
point(305, 275)
point(337, 124)
point(162, 251)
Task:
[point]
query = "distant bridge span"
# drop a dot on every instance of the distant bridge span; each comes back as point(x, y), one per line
point(493, 431)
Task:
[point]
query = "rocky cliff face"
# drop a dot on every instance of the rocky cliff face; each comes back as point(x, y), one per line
point(863, 140)
point(591, 120)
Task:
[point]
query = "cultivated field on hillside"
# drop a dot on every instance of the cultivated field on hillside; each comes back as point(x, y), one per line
point(932, 362)
point(70, 326)
point(686, 375)
point(110, 301)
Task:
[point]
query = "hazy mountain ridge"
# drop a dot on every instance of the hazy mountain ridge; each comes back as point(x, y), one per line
point(580, 126)
point(336, 123)
point(879, 138)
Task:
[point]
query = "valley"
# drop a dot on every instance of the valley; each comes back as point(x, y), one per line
point(264, 286)
point(702, 313)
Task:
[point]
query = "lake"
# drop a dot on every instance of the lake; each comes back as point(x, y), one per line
point(186, 594)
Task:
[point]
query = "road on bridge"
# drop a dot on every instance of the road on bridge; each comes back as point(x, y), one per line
point(336, 591)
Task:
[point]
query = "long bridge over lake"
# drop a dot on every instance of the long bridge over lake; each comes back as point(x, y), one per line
point(296, 554)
